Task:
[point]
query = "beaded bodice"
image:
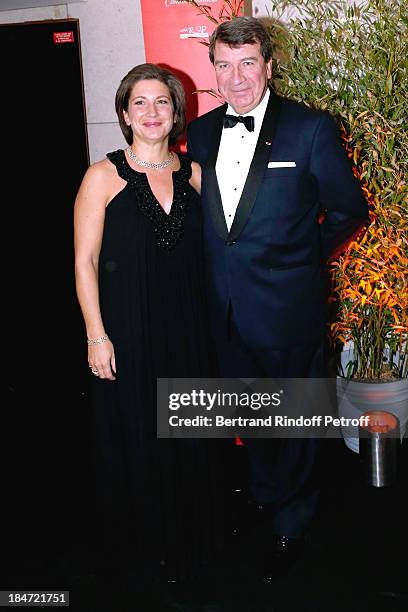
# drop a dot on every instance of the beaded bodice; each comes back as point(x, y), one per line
point(168, 228)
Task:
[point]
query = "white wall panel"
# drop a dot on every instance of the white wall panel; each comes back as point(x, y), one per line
point(34, 14)
point(262, 8)
point(112, 43)
point(103, 138)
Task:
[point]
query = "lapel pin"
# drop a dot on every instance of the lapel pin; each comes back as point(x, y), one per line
point(268, 142)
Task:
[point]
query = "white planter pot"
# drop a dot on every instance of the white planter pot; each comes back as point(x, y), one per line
point(355, 397)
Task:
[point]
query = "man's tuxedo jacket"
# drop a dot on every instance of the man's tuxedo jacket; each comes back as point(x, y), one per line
point(270, 267)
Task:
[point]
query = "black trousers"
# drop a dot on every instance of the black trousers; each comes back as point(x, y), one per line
point(282, 473)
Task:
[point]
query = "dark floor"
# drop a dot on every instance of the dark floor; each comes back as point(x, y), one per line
point(355, 560)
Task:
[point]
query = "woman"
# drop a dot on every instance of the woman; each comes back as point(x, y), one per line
point(139, 277)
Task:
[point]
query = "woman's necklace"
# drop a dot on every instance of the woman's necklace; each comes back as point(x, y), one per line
point(145, 164)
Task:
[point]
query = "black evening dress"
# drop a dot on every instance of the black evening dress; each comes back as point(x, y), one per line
point(157, 496)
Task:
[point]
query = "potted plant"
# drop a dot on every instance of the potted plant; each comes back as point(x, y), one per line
point(351, 61)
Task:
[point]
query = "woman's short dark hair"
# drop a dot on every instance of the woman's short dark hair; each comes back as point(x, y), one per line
point(242, 31)
point(152, 71)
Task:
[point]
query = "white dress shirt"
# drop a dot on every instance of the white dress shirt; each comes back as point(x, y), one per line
point(237, 148)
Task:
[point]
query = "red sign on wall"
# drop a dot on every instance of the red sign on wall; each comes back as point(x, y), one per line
point(172, 32)
point(63, 37)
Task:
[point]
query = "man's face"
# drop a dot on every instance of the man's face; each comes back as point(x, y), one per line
point(242, 75)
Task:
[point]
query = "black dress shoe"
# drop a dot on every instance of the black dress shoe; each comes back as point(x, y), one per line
point(284, 554)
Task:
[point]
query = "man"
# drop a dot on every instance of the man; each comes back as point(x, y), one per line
point(271, 168)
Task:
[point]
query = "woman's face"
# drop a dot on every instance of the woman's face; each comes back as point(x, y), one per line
point(150, 111)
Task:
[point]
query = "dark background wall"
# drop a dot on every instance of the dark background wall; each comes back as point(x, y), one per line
point(44, 156)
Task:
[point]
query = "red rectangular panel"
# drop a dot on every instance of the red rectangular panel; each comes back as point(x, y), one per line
point(172, 32)
point(63, 37)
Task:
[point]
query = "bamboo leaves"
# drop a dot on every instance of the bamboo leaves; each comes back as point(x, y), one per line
point(352, 61)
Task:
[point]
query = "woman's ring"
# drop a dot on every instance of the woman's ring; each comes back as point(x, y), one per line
point(95, 372)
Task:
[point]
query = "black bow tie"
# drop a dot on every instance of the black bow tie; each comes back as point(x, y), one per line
point(232, 120)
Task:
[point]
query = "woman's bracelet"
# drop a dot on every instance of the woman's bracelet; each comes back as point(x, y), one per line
point(97, 340)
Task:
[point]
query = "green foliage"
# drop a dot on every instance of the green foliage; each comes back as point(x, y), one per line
point(351, 60)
